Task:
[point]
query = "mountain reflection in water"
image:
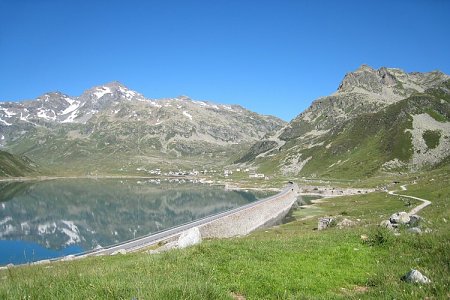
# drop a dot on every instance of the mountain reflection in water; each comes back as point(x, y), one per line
point(83, 214)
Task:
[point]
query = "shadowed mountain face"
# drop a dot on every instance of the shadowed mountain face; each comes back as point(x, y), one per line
point(111, 127)
point(378, 120)
point(88, 213)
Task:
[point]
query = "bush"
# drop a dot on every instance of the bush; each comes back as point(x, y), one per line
point(431, 138)
point(380, 237)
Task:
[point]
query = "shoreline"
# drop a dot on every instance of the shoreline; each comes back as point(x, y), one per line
point(323, 192)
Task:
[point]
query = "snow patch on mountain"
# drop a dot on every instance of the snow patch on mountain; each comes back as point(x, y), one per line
point(8, 113)
point(153, 103)
point(101, 91)
point(187, 115)
point(71, 117)
point(43, 113)
point(4, 122)
point(73, 106)
point(22, 118)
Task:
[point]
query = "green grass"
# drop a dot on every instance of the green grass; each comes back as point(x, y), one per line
point(437, 115)
point(431, 138)
point(358, 147)
point(291, 261)
point(14, 166)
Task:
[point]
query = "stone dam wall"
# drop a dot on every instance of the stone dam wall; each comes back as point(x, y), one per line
point(271, 211)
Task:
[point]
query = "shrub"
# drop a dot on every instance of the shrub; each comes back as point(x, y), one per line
point(431, 138)
point(380, 237)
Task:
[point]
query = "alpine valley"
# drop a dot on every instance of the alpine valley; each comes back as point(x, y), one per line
point(378, 121)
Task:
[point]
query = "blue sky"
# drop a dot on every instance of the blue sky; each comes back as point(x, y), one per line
point(273, 57)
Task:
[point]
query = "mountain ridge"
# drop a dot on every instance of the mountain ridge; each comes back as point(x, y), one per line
point(109, 120)
point(364, 92)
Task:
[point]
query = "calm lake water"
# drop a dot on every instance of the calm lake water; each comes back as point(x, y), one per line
point(53, 218)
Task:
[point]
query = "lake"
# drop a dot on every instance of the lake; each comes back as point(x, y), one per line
point(53, 218)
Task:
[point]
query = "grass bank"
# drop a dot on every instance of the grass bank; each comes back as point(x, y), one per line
point(291, 261)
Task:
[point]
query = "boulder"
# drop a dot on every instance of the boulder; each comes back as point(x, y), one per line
point(399, 218)
point(167, 246)
point(416, 230)
point(346, 223)
point(325, 223)
point(415, 276)
point(387, 224)
point(189, 237)
point(414, 220)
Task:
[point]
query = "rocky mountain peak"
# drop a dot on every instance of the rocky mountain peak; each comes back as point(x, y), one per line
point(392, 83)
point(112, 91)
point(367, 79)
point(115, 85)
point(183, 97)
point(365, 68)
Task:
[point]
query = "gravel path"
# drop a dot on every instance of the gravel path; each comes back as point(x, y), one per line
point(416, 209)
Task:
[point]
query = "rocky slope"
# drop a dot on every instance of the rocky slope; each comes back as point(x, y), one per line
point(375, 121)
point(112, 127)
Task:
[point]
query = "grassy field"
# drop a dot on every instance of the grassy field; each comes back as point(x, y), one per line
point(290, 261)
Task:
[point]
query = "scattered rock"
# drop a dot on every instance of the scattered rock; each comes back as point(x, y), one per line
point(414, 220)
point(324, 223)
point(387, 224)
point(399, 218)
point(346, 223)
point(189, 238)
point(416, 230)
point(120, 251)
point(394, 164)
point(415, 276)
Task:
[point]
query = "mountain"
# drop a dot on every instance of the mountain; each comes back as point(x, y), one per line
point(377, 120)
point(111, 128)
point(13, 166)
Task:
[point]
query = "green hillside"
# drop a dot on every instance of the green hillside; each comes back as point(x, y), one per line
point(369, 143)
point(13, 166)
